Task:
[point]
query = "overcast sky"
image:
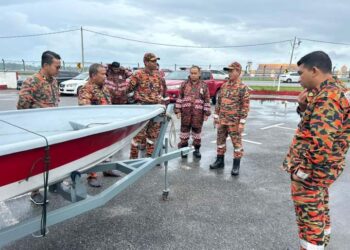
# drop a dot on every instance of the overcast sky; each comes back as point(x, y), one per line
point(194, 23)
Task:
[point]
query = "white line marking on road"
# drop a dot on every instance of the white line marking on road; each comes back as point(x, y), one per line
point(18, 197)
point(286, 128)
point(272, 126)
point(6, 215)
point(253, 142)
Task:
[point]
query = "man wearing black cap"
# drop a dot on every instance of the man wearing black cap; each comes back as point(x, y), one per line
point(116, 83)
point(148, 89)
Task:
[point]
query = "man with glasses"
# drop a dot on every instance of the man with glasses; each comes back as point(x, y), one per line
point(316, 156)
point(148, 88)
point(41, 91)
point(231, 111)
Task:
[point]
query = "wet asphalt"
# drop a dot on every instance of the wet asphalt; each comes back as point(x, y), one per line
point(206, 209)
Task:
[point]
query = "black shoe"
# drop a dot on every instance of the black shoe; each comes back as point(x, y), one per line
point(94, 182)
point(183, 156)
point(37, 198)
point(219, 163)
point(197, 154)
point(111, 173)
point(235, 167)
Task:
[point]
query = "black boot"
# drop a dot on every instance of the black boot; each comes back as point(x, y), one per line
point(235, 167)
point(196, 153)
point(180, 145)
point(219, 163)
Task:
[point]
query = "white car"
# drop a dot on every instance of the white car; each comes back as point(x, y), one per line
point(219, 74)
point(73, 86)
point(290, 77)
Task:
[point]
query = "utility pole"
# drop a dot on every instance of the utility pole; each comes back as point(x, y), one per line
point(291, 56)
point(82, 48)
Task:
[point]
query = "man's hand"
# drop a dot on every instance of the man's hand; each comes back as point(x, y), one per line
point(302, 100)
point(178, 115)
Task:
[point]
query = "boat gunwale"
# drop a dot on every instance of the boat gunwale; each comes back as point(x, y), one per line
point(76, 134)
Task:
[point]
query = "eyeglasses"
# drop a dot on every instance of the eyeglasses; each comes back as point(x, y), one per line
point(153, 61)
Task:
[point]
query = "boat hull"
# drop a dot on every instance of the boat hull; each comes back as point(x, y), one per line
point(24, 170)
point(71, 142)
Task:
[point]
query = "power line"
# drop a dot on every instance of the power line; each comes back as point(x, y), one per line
point(186, 46)
point(40, 34)
point(319, 41)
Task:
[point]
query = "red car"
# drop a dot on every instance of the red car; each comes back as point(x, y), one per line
point(175, 78)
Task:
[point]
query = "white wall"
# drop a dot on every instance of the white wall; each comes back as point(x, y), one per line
point(9, 79)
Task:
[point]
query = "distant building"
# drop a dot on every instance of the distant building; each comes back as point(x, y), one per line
point(343, 72)
point(269, 69)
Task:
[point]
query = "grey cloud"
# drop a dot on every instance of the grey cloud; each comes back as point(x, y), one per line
point(224, 23)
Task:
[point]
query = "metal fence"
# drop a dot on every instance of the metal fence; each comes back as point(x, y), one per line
point(28, 67)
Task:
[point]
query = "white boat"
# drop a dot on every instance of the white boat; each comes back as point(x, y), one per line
point(68, 138)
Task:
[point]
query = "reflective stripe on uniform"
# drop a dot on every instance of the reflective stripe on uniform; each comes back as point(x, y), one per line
point(196, 135)
point(149, 141)
point(309, 246)
point(301, 174)
point(184, 135)
point(327, 231)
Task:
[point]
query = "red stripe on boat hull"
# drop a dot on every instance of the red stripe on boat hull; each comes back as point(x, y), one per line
point(19, 166)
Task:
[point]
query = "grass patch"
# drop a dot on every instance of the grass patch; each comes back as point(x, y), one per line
point(272, 88)
point(262, 79)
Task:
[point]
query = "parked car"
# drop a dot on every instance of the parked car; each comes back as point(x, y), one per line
point(174, 79)
point(290, 77)
point(66, 75)
point(73, 86)
point(62, 76)
point(219, 74)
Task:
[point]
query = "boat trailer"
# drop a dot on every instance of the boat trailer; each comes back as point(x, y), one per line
point(81, 201)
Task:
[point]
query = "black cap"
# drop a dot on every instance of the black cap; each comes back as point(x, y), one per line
point(115, 65)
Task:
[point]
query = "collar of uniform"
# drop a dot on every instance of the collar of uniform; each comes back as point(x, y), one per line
point(48, 79)
point(94, 85)
point(148, 71)
point(325, 83)
point(193, 83)
point(238, 81)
